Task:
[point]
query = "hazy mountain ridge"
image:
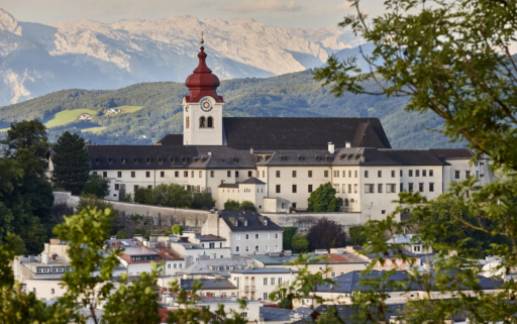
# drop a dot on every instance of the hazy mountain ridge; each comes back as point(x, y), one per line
point(295, 94)
point(36, 59)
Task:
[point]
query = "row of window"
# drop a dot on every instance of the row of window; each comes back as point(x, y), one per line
point(174, 265)
point(294, 173)
point(177, 174)
point(247, 249)
point(310, 188)
point(272, 281)
point(457, 174)
point(411, 173)
point(257, 236)
point(392, 188)
point(206, 122)
point(354, 173)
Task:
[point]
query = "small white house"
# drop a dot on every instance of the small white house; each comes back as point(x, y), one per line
point(411, 244)
point(251, 189)
point(85, 116)
point(258, 283)
point(246, 232)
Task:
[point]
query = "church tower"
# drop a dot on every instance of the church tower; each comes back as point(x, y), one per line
point(202, 108)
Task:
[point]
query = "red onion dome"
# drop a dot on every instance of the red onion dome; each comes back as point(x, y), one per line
point(202, 82)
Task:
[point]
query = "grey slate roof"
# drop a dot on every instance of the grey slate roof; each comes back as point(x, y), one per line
point(354, 281)
point(229, 185)
point(252, 180)
point(246, 221)
point(349, 156)
point(219, 284)
point(148, 157)
point(272, 133)
point(452, 154)
point(264, 271)
point(210, 238)
point(275, 314)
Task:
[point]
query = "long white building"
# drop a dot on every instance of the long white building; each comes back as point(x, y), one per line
point(277, 162)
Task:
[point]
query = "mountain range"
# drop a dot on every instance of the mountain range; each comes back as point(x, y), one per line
point(36, 59)
point(266, 71)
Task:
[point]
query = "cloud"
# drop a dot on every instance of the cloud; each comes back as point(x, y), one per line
point(265, 5)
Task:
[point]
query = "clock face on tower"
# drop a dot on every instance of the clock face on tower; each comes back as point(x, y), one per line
point(206, 104)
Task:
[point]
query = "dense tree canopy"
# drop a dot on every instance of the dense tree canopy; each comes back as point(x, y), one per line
point(173, 195)
point(326, 234)
point(324, 199)
point(452, 58)
point(96, 185)
point(26, 197)
point(71, 165)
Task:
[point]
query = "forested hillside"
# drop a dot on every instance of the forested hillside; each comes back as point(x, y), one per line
point(143, 113)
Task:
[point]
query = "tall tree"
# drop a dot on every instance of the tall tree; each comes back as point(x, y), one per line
point(70, 161)
point(25, 190)
point(96, 186)
point(452, 58)
point(326, 234)
point(324, 199)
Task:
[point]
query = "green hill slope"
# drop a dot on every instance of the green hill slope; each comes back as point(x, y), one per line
point(143, 113)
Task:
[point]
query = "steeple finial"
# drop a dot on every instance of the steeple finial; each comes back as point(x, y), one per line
point(202, 41)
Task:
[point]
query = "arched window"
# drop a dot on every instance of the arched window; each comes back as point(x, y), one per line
point(210, 122)
point(346, 202)
point(187, 122)
point(202, 122)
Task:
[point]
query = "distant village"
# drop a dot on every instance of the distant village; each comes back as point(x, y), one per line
point(239, 255)
point(273, 164)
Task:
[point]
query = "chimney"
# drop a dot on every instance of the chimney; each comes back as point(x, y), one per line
point(331, 147)
point(245, 223)
point(251, 150)
point(209, 154)
point(348, 145)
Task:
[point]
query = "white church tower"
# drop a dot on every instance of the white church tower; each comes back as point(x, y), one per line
point(202, 108)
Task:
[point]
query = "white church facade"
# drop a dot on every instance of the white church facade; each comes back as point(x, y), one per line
point(277, 162)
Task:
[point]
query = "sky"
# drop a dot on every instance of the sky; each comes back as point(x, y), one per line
point(288, 13)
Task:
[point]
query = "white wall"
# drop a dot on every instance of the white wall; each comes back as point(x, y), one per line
point(194, 135)
point(258, 286)
point(256, 242)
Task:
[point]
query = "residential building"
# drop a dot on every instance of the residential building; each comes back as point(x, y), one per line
point(246, 232)
point(259, 283)
point(338, 262)
point(42, 274)
point(344, 286)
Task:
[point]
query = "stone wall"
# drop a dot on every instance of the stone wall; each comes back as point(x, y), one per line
point(166, 216)
point(303, 221)
point(161, 216)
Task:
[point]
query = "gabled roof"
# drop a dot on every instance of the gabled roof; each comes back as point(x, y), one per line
point(265, 271)
point(212, 284)
point(357, 281)
point(453, 153)
point(246, 221)
point(149, 157)
point(267, 133)
point(209, 238)
point(252, 180)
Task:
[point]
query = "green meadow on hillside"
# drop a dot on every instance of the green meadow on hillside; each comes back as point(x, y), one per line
point(66, 117)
